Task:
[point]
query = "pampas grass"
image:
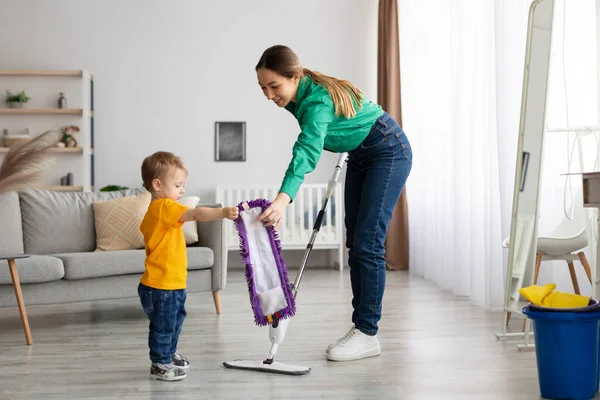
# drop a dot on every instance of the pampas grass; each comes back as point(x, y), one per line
point(24, 164)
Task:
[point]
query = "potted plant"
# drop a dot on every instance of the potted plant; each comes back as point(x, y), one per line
point(16, 100)
point(113, 188)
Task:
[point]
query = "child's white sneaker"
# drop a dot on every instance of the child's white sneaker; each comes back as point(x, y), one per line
point(355, 346)
point(166, 372)
point(180, 361)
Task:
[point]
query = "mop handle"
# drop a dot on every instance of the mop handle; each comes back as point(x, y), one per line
point(330, 190)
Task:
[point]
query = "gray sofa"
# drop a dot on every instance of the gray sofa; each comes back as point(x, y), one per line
point(57, 228)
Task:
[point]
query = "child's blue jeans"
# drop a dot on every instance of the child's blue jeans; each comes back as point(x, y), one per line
point(166, 311)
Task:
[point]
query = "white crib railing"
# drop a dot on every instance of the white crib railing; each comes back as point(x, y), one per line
point(297, 226)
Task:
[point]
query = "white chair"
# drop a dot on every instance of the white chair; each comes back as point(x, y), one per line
point(566, 242)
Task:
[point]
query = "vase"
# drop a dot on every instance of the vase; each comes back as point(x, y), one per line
point(62, 101)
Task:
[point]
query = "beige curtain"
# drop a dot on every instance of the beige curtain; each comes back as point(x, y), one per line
point(388, 96)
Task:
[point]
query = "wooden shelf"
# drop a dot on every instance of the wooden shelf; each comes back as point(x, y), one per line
point(46, 112)
point(41, 111)
point(52, 150)
point(71, 188)
point(42, 72)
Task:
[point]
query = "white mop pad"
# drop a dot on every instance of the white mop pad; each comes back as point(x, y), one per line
point(266, 273)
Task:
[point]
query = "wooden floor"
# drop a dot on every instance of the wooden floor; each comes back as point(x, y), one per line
point(434, 346)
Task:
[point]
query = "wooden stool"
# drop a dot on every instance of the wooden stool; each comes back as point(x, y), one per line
point(17, 286)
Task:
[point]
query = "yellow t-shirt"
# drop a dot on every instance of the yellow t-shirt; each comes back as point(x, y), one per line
point(166, 253)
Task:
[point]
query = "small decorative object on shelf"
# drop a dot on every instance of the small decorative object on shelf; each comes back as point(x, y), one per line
point(62, 100)
point(68, 139)
point(67, 180)
point(13, 140)
point(16, 100)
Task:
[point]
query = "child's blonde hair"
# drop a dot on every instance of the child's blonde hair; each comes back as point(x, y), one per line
point(157, 165)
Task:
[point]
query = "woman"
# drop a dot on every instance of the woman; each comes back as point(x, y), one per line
point(335, 116)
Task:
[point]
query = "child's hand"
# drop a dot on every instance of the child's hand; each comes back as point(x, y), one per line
point(231, 213)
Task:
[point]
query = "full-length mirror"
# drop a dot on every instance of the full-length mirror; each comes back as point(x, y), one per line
point(523, 239)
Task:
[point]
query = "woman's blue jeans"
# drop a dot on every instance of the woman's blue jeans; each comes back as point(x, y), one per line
point(376, 173)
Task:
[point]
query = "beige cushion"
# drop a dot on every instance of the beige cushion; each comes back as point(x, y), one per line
point(118, 222)
point(190, 228)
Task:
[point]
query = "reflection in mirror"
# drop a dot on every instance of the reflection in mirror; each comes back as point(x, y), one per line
point(522, 243)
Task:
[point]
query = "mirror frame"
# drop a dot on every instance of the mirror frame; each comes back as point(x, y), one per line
point(532, 126)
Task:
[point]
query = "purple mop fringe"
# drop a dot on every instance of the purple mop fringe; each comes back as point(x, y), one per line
point(290, 310)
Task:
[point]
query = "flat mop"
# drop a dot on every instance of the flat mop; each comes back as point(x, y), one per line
point(272, 297)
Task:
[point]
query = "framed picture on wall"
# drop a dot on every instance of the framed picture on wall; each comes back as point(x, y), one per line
point(230, 141)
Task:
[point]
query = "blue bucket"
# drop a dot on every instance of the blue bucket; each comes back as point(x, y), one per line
point(567, 346)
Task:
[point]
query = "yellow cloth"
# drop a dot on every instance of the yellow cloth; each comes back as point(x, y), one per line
point(545, 296)
point(166, 254)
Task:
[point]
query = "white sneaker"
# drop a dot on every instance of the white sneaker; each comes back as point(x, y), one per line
point(180, 361)
point(166, 372)
point(355, 346)
point(331, 346)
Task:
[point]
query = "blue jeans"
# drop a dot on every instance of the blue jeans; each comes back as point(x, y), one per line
point(376, 173)
point(166, 311)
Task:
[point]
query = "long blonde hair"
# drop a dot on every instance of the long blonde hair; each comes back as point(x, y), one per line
point(344, 95)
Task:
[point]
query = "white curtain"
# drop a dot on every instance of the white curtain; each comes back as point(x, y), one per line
point(462, 70)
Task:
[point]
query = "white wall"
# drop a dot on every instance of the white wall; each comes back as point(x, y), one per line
point(166, 71)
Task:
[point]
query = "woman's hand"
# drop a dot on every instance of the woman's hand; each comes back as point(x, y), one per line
point(273, 214)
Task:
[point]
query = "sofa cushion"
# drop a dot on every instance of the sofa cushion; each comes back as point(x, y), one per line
point(122, 262)
point(35, 269)
point(11, 229)
point(118, 222)
point(61, 222)
point(190, 228)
